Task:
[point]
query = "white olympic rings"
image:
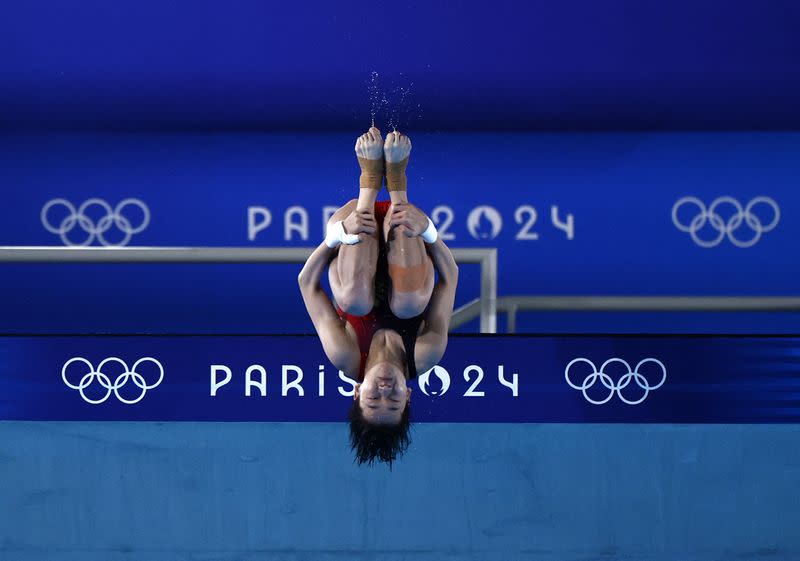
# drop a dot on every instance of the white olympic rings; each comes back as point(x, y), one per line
point(113, 217)
point(740, 216)
point(624, 381)
point(104, 381)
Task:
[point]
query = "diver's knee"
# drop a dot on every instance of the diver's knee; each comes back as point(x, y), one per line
point(408, 304)
point(355, 299)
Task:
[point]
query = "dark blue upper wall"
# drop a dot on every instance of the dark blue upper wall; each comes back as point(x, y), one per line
point(616, 64)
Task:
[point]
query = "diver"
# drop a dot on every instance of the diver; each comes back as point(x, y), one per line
point(392, 312)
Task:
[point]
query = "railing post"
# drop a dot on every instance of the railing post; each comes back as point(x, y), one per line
point(489, 292)
point(511, 325)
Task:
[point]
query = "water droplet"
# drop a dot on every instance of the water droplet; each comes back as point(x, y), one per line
point(395, 100)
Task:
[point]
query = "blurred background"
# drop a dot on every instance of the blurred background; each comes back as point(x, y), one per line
point(614, 148)
point(566, 135)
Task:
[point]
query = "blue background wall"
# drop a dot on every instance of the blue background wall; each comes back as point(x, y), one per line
point(617, 64)
point(149, 491)
point(619, 188)
point(257, 492)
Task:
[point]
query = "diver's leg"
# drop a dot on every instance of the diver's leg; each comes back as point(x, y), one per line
point(410, 268)
point(352, 272)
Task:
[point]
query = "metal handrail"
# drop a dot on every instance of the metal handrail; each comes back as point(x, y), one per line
point(512, 304)
point(485, 307)
point(485, 257)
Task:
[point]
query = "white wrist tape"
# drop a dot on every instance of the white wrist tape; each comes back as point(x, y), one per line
point(336, 235)
point(430, 234)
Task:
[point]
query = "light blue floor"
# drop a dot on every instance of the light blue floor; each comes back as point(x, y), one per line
point(253, 492)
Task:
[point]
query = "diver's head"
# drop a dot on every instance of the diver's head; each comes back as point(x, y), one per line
point(383, 394)
point(379, 417)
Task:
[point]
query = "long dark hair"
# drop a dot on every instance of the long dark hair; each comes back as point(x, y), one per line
point(370, 441)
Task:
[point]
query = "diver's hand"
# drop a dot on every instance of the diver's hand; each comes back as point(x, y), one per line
point(360, 222)
point(411, 220)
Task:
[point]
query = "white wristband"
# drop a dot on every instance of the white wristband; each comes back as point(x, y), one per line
point(430, 234)
point(336, 235)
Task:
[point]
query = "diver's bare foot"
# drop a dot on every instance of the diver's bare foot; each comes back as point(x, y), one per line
point(397, 147)
point(369, 149)
point(370, 145)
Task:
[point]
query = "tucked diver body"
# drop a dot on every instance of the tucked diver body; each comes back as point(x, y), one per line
point(392, 311)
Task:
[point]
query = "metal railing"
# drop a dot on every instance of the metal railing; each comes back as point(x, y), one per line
point(513, 304)
point(485, 306)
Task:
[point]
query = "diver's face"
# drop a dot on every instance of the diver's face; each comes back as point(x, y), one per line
point(383, 395)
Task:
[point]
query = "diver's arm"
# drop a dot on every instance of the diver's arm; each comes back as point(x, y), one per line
point(339, 347)
point(432, 340)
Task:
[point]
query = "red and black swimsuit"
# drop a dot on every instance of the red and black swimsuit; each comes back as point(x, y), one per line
point(381, 316)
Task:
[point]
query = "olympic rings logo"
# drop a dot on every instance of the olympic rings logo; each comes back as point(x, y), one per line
point(615, 388)
point(105, 381)
point(741, 216)
point(78, 217)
